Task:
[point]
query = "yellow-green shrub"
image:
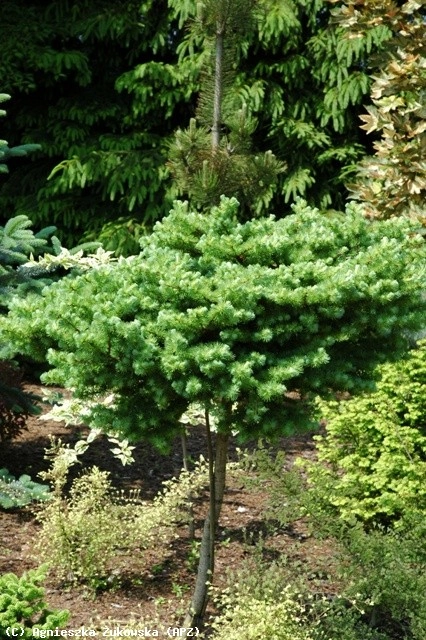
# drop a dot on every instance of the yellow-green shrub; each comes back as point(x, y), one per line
point(88, 536)
point(372, 461)
point(273, 616)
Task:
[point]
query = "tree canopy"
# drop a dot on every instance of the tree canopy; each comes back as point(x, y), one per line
point(247, 320)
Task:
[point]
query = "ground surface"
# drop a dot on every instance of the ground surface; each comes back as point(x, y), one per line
point(165, 592)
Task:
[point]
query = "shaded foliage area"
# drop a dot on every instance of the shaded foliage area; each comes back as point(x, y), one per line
point(63, 67)
point(103, 85)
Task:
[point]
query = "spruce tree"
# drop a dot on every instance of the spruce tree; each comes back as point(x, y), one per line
point(5, 151)
point(17, 241)
point(249, 320)
point(18, 277)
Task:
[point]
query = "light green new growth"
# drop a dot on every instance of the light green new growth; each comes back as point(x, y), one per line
point(372, 460)
point(277, 617)
point(71, 259)
point(23, 605)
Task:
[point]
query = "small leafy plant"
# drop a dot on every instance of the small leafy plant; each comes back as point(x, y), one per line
point(388, 570)
point(375, 582)
point(273, 615)
point(23, 606)
point(268, 470)
point(89, 536)
point(267, 600)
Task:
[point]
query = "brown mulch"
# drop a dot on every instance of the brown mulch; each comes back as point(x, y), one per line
point(165, 591)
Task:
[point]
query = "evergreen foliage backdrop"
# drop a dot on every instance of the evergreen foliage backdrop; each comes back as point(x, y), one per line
point(103, 85)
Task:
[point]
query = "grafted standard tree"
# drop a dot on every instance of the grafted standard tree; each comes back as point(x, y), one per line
point(248, 320)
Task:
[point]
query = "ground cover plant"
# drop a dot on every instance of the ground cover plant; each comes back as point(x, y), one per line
point(377, 572)
point(16, 492)
point(273, 615)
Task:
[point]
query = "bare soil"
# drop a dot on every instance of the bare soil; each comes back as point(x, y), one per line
point(164, 592)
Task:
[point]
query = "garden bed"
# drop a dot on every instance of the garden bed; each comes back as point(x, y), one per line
point(164, 590)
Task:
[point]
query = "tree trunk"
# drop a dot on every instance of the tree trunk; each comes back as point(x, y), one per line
point(222, 440)
point(218, 87)
point(185, 458)
point(195, 615)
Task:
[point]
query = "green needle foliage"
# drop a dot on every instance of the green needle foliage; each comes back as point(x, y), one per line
point(18, 242)
point(23, 605)
point(103, 87)
point(206, 162)
point(248, 320)
point(5, 151)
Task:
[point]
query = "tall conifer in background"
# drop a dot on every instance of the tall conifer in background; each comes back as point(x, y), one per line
point(214, 155)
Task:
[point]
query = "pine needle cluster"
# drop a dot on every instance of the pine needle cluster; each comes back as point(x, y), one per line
point(214, 155)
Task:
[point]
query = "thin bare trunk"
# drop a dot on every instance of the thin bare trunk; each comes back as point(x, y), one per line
point(195, 615)
point(217, 477)
point(218, 87)
point(222, 440)
point(212, 500)
point(191, 524)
